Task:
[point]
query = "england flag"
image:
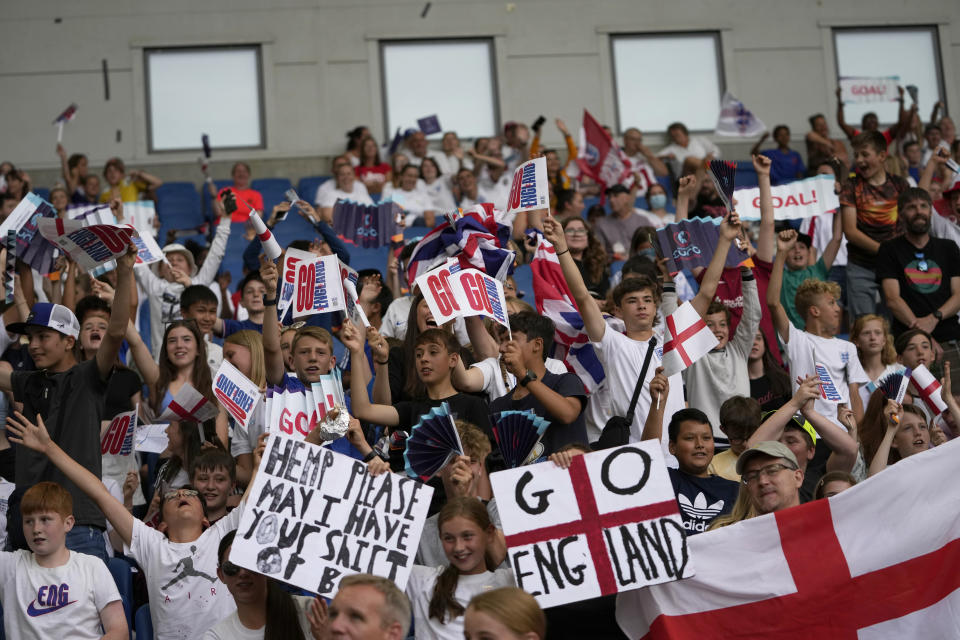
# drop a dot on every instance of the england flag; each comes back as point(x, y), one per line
point(686, 340)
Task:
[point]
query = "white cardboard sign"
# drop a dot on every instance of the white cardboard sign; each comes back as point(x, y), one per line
point(799, 199)
point(314, 516)
point(607, 524)
point(529, 189)
point(236, 393)
point(90, 246)
point(453, 292)
point(318, 287)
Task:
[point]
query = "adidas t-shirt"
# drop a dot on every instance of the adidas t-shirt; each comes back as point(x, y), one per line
point(54, 602)
point(702, 499)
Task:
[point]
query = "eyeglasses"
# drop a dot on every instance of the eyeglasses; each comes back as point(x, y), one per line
point(575, 232)
point(229, 569)
point(768, 472)
point(509, 287)
point(181, 493)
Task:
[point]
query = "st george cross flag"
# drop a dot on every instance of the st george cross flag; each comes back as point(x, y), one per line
point(686, 339)
point(600, 158)
point(736, 120)
point(554, 300)
point(189, 405)
point(841, 568)
point(928, 388)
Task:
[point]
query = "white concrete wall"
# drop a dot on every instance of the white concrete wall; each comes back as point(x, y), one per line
point(321, 63)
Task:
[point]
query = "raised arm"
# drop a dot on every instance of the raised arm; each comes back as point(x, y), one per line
point(781, 322)
point(729, 229)
point(359, 400)
point(561, 409)
point(659, 389)
point(142, 357)
point(772, 427)
point(34, 436)
point(841, 119)
point(891, 417)
point(273, 355)
point(833, 247)
point(687, 188)
point(843, 447)
point(755, 150)
point(592, 318)
point(484, 345)
point(119, 314)
point(766, 242)
point(70, 175)
point(148, 179)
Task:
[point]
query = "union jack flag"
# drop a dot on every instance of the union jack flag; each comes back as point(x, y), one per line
point(554, 300)
point(473, 237)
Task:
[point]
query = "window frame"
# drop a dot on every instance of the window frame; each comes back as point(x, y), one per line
point(256, 48)
point(489, 41)
point(933, 29)
point(715, 34)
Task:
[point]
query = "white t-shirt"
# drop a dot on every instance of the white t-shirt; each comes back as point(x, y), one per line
point(214, 355)
point(359, 195)
point(622, 358)
point(697, 147)
point(186, 596)
point(420, 591)
point(496, 192)
point(838, 356)
point(821, 227)
point(54, 602)
point(230, 627)
point(450, 165)
point(441, 198)
point(493, 384)
point(324, 189)
point(414, 202)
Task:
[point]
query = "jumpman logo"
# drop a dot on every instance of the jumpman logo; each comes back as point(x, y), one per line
point(187, 570)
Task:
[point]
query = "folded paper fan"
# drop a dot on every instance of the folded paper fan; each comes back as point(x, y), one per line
point(517, 434)
point(433, 443)
point(893, 385)
point(723, 173)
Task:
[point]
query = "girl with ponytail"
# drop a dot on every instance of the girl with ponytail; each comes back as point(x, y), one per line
point(440, 595)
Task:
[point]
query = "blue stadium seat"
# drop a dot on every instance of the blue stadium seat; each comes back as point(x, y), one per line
point(273, 191)
point(307, 187)
point(120, 570)
point(524, 279)
point(145, 322)
point(43, 192)
point(207, 200)
point(143, 623)
point(415, 232)
point(233, 257)
point(589, 202)
point(746, 175)
point(178, 205)
point(294, 227)
point(369, 258)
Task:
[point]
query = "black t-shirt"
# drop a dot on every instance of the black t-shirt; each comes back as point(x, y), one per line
point(762, 392)
point(557, 434)
point(924, 277)
point(702, 499)
point(72, 406)
point(397, 368)
point(463, 407)
point(120, 388)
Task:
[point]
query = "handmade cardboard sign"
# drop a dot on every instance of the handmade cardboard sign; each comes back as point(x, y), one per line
point(238, 394)
point(857, 90)
point(453, 292)
point(529, 189)
point(314, 516)
point(799, 199)
point(319, 288)
point(608, 523)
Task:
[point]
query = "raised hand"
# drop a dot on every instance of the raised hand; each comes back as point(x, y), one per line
point(351, 337)
point(562, 126)
point(379, 347)
point(33, 436)
point(808, 390)
point(553, 232)
point(261, 447)
point(229, 201)
point(562, 459)
point(127, 260)
point(270, 275)
point(786, 240)
point(659, 387)
point(761, 164)
point(730, 227)
point(687, 187)
point(513, 359)
point(892, 411)
point(460, 476)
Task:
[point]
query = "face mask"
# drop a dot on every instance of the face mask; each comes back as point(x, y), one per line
point(658, 200)
point(650, 253)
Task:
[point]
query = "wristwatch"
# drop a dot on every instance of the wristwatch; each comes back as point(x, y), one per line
point(268, 302)
point(373, 454)
point(527, 379)
point(938, 315)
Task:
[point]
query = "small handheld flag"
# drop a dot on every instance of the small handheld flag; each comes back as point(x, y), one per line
point(913, 91)
point(351, 290)
point(686, 340)
point(67, 115)
point(517, 434)
point(723, 173)
point(929, 389)
point(207, 151)
point(433, 443)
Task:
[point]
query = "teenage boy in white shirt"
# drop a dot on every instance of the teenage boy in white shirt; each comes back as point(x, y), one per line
point(50, 589)
point(818, 303)
point(178, 558)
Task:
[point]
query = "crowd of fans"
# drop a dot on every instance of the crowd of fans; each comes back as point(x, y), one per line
point(862, 292)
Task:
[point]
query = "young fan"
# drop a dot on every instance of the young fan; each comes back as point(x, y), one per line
point(37, 586)
point(507, 613)
point(439, 595)
point(178, 558)
point(199, 303)
point(214, 475)
point(244, 350)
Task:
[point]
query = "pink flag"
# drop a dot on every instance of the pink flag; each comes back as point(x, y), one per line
point(687, 339)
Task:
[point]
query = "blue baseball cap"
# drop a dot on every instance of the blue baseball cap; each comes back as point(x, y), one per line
point(49, 315)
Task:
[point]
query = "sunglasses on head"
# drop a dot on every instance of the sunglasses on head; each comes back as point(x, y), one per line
point(229, 569)
point(181, 493)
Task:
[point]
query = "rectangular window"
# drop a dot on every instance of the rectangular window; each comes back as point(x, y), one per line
point(454, 79)
point(652, 91)
point(912, 53)
point(212, 90)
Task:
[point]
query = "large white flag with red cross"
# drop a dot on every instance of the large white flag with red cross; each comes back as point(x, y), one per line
point(686, 339)
point(878, 561)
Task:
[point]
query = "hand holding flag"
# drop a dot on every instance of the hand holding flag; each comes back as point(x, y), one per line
point(686, 339)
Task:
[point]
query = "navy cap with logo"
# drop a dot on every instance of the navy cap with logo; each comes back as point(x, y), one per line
point(50, 316)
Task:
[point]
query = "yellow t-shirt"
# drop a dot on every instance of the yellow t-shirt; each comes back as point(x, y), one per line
point(129, 191)
point(725, 465)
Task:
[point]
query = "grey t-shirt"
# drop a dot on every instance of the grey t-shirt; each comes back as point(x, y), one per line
point(617, 233)
point(72, 406)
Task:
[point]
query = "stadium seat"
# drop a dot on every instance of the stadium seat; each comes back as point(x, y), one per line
point(273, 191)
point(524, 279)
point(746, 175)
point(307, 187)
point(589, 202)
point(410, 233)
point(178, 205)
point(120, 570)
point(43, 192)
point(294, 227)
point(143, 623)
point(207, 200)
point(145, 323)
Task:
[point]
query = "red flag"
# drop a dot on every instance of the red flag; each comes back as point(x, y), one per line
point(601, 158)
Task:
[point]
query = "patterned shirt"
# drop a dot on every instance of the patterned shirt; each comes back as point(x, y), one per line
point(876, 207)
